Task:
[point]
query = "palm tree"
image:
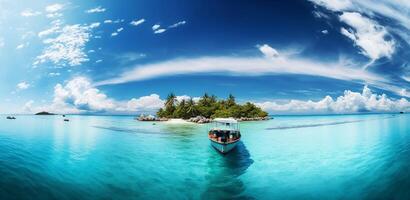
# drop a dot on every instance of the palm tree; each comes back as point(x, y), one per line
point(191, 108)
point(170, 104)
point(231, 100)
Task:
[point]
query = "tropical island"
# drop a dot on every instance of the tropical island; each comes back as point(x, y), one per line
point(205, 109)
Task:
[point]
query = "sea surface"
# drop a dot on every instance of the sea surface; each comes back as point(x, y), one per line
point(289, 157)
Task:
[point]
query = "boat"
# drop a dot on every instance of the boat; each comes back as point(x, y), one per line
point(66, 120)
point(224, 134)
point(8, 117)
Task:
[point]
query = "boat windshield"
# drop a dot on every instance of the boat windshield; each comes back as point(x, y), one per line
point(217, 125)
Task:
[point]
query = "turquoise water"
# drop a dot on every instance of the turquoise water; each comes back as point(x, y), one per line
point(115, 157)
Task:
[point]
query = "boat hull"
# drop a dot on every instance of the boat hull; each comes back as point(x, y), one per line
point(224, 147)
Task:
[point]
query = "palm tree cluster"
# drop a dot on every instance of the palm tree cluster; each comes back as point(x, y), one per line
point(208, 106)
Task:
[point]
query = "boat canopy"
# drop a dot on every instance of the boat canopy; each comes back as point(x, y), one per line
point(225, 120)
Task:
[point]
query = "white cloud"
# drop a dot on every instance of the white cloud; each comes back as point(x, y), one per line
point(96, 10)
point(335, 5)
point(137, 22)
point(68, 46)
point(20, 46)
point(155, 27)
point(147, 103)
point(79, 96)
point(368, 35)
point(53, 74)
point(349, 102)
point(54, 8)
point(107, 21)
point(30, 13)
point(28, 107)
point(268, 51)
point(95, 25)
point(1, 42)
point(117, 32)
point(161, 30)
point(325, 32)
point(180, 23)
point(23, 85)
point(248, 66)
point(49, 31)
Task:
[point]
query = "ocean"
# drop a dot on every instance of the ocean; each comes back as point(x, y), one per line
point(289, 157)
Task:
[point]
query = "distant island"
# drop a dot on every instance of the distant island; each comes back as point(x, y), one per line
point(44, 113)
point(205, 109)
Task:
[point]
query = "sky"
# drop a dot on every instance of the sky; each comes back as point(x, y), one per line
point(288, 57)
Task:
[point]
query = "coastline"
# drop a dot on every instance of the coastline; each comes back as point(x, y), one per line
point(196, 120)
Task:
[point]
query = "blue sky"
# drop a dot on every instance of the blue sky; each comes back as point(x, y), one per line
point(308, 56)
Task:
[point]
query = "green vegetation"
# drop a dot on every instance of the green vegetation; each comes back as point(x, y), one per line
point(209, 107)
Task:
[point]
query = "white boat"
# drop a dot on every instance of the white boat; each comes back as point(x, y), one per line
point(224, 134)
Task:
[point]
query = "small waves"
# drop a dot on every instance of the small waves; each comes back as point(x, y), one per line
point(322, 124)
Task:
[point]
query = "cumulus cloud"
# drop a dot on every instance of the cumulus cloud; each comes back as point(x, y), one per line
point(349, 102)
point(98, 9)
point(79, 96)
point(137, 22)
point(368, 35)
point(268, 51)
point(23, 85)
point(30, 13)
point(143, 104)
point(67, 47)
point(2, 42)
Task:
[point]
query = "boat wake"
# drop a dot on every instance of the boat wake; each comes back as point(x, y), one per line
point(322, 124)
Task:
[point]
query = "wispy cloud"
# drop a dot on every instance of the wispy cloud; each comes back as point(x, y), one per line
point(137, 22)
point(180, 23)
point(248, 66)
point(117, 32)
point(368, 35)
point(161, 30)
point(30, 13)
point(98, 9)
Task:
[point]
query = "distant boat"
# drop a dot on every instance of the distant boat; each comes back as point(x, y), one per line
point(63, 115)
point(8, 117)
point(66, 120)
point(224, 134)
point(401, 112)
